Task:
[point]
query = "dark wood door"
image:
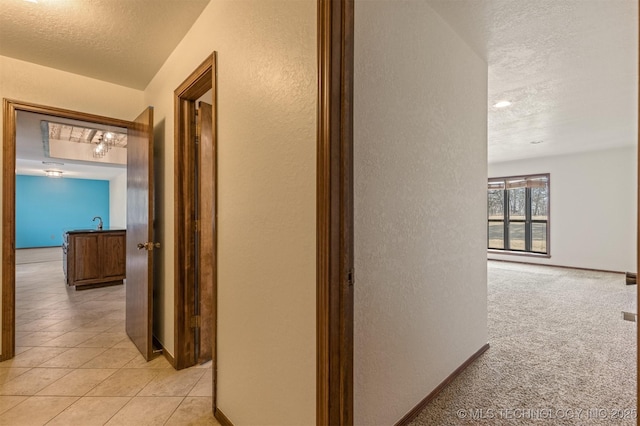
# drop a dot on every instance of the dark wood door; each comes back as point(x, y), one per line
point(206, 238)
point(140, 244)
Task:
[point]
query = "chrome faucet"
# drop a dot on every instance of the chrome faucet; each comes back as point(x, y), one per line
point(99, 223)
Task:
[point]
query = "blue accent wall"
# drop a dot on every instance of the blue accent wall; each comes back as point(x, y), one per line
point(47, 207)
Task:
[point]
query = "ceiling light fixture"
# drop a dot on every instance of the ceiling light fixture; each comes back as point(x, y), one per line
point(32, 1)
point(502, 104)
point(53, 173)
point(535, 142)
point(105, 143)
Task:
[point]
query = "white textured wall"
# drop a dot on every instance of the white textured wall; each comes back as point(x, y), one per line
point(118, 201)
point(27, 82)
point(593, 208)
point(267, 81)
point(420, 206)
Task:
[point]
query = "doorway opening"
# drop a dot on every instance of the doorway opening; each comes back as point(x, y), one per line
point(196, 218)
point(139, 133)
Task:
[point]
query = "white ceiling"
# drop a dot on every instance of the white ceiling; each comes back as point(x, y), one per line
point(570, 68)
point(120, 41)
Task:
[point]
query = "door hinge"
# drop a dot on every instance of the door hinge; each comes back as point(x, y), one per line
point(351, 277)
point(197, 135)
point(196, 225)
point(195, 321)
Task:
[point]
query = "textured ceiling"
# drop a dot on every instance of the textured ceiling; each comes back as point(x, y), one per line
point(570, 68)
point(120, 41)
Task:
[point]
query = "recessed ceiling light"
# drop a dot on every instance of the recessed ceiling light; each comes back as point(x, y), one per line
point(53, 173)
point(31, 1)
point(502, 104)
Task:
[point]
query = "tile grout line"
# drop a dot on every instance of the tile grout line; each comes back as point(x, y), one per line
point(174, 410)
point(67, 312)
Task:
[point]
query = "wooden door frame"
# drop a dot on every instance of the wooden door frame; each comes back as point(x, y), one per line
point(201, 80)
point(335, 274)
point(10, 109)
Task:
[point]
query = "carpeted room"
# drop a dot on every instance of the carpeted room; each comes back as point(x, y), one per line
point(560, 352)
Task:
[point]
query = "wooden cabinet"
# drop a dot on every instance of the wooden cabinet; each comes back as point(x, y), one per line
point(94, 258)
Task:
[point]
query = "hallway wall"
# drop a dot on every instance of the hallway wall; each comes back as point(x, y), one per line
point(420, 206)
point(267, 82)
point(27, 82)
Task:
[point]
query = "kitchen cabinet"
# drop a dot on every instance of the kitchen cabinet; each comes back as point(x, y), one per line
point(93, 258)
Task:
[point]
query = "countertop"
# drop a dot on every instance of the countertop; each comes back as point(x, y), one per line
point(83, 231)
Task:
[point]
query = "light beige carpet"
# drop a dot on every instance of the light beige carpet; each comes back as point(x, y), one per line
point(560, 353)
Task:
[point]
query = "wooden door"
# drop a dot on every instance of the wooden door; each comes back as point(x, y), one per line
point(140, 244)
point(206, 237)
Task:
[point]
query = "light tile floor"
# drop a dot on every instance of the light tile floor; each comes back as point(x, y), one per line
point(75, 364)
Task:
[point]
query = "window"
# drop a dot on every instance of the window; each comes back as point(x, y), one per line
point(518, 214)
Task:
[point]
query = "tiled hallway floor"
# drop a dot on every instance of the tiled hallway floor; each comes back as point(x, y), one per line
point(75, 365)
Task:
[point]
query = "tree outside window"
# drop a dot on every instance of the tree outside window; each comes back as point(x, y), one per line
point(518, 214)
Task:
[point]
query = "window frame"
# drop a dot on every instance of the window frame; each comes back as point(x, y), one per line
point(528, 221)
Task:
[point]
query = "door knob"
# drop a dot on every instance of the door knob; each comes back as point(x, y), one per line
point(148, 246)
